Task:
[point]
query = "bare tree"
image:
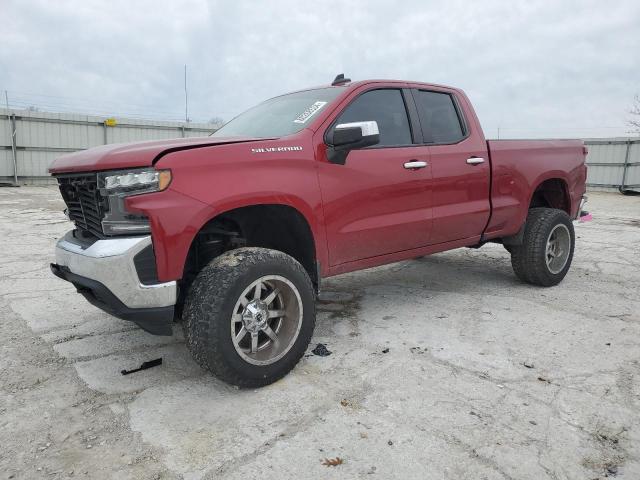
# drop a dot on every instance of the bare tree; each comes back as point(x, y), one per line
point(217, 122)
point(634, 121)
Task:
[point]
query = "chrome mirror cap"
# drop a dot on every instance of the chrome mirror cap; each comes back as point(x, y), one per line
point(368, 128)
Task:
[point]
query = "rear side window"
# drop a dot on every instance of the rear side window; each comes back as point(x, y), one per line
point(439, 117)
point(385, 107)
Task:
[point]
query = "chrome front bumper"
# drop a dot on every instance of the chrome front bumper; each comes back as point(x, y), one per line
point(110, 262)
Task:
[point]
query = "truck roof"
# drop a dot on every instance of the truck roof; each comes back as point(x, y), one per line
point(355, 84)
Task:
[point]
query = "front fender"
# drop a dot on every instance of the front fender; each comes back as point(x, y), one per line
point(175, 219)
point(210, 181)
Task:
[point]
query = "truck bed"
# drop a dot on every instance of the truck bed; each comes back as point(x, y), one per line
point(518, 166)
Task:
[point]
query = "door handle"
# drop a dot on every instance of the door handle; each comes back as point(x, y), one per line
point(475, 160)
point(415, 165)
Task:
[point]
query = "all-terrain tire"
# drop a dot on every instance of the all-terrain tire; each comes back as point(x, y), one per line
point(529, 260)
point(210, 305)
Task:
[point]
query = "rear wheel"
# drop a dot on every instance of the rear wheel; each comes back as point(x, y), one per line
point(547, 248)
point(249, 316)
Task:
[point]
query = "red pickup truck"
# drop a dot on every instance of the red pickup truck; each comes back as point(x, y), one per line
point(232, 233)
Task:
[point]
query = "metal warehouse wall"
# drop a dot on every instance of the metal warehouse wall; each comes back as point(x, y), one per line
point(40, 137)
point(614, 164)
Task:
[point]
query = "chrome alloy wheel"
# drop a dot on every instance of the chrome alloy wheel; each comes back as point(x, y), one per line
point(558, 248)
point(266, 320)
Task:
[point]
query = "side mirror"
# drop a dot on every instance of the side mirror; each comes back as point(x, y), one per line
point(350, 136)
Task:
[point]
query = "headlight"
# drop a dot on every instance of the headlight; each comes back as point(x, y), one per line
point(132, 182)
point(116, 186)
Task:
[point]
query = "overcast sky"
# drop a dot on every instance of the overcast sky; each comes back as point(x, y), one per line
point(532, 69)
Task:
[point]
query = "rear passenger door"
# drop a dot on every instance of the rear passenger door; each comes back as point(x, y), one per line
point(459, 167)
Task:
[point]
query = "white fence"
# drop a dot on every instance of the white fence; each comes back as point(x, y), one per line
point(39, 137)
point(614, 164)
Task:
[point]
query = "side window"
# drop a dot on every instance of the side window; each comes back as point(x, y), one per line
point(439, 117)
point(385, 107)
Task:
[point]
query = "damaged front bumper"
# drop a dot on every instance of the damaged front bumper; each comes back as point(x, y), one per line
point(108, 274)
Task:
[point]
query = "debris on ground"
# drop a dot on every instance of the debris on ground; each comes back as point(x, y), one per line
point(321, 350)
point(542, 379)
point(332, 462)
point(144, 366)
point(386, 350)
point(417, 350)
point(528, 364)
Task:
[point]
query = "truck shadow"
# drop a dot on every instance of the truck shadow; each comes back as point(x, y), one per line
point(471, 271)
point(432, 279)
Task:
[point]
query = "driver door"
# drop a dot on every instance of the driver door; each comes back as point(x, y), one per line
point(378, 202)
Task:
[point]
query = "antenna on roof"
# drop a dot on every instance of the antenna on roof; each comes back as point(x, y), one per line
point(340, 80)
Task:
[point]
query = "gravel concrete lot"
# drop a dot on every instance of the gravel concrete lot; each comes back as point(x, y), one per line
point(442, 367)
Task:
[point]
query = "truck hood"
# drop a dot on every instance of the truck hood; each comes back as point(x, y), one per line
point(131, 155)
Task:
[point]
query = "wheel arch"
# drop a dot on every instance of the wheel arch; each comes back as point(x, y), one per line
point(279, 225)
point(551, 191)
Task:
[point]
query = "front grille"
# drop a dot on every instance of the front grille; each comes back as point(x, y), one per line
point(85, 206)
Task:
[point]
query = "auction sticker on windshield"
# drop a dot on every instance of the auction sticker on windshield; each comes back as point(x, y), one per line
point(309, 112)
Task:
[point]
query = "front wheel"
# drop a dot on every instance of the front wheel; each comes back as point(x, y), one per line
point(547, 248)
point(249, 316)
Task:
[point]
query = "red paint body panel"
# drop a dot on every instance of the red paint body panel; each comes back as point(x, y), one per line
point(175, 219)
point(226, 177)
point(128, 155)
point(519, 166)
point(372, 204)
point(368, 212)
point(461, 204)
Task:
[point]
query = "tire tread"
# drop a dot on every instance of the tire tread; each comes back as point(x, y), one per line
point(203, 332)
point(527, 259)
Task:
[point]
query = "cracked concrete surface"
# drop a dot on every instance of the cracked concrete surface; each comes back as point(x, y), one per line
point(483, 377)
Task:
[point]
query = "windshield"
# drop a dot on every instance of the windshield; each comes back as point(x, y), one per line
point(280, 116)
